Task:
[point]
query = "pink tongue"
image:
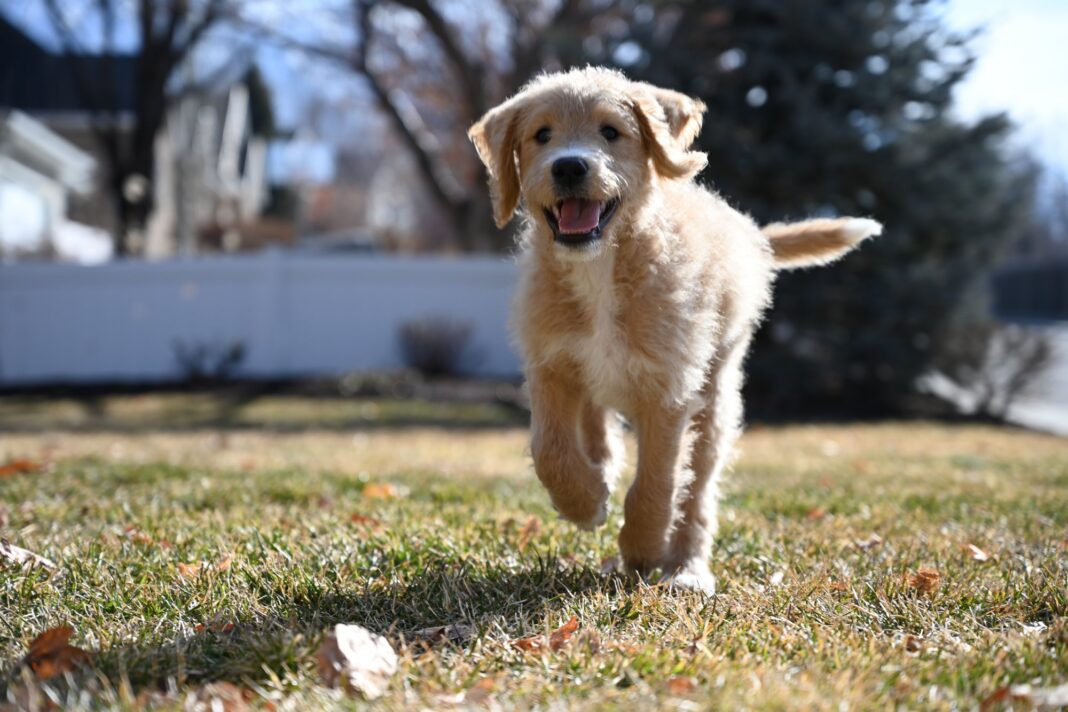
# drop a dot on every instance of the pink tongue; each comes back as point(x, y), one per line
point(578, 216)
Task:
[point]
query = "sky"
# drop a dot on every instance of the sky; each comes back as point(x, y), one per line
point(1022, 67)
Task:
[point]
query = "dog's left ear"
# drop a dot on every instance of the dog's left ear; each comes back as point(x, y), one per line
point(494, 136)
point(669, 122)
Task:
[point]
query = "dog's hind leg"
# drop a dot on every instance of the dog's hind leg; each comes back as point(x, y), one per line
point(715, 429)
point(578, 487)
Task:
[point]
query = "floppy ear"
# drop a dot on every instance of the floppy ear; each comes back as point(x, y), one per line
point(684, 114)
point(494, 136)
point(669, 122)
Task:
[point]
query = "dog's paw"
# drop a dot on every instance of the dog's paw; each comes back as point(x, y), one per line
point(696, 578)
point(589, 523)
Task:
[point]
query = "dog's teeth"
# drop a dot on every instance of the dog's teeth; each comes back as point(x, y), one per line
point(556, 211)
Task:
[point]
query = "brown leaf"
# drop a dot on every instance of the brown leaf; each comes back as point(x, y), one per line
point(925, 581)
point(50, 655)
point(976, 553)
point(815, 514)
point(870, 543)
point(224, 563)
point(189, 570)
point(381, 490)
point(364, 520)
point(1034, 697)
point(23, 557)
point(562, 635)
point(356, 659)
point(455, 633)
point(913, 644)
point(529, 531)
point(20, 466)
point(530, 644)
point(681, 685)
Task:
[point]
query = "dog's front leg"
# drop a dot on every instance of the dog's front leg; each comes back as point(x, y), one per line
point(649, 506)
point(579, 489)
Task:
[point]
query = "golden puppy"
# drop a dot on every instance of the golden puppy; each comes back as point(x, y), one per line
point(640, 292)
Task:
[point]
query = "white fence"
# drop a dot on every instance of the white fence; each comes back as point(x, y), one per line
point(294, 315)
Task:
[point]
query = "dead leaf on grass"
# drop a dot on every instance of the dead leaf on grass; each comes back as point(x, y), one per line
point(1037, 697)
point(191, 570)
point(23, 557)
point(364, 520)
point(381, 490)
point(681, 685)
point(913, 644)
point(530, 644)
point(455, 633)
point(357, 660)
point(529, 531)
point(20, 466)
point(924, 581)
point(50, 655)
point(562, 635)
point(815, 514)
point(975, 553)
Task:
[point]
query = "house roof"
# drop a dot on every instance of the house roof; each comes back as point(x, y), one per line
point(35, 79)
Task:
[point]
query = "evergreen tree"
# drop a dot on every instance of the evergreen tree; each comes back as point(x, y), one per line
point(825, 107)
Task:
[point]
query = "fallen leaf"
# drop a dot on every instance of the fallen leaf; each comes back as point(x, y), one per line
point(23, 557)
point(20, 466)
point(50, 655)
point(925, 581)
point(976, 553)
point(776, 578)
point(189, 570)
point(1036, 697)
point(562, 635)
point(224, 563)
point(681, 685)
point(137, 536)
point(365, 521)
point(482, 690)
point(912, 644)
point(870, 543)
point(529, 531)
point(815, 514)
point(214, 627)
point(381, 490)
point(219, 697)
point(357, 660)
point(453, 633)
point(530, 644)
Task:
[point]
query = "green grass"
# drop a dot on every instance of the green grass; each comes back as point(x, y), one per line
point(841, 624)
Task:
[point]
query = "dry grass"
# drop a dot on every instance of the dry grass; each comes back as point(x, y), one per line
point(811, 613)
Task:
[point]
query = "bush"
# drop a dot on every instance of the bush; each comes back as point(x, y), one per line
point(436, 346)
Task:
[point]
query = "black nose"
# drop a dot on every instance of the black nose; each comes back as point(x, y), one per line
point(568, 172)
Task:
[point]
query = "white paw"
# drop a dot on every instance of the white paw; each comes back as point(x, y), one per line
point(697, 579)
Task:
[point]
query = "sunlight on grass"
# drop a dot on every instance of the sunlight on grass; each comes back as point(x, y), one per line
point(810, 612)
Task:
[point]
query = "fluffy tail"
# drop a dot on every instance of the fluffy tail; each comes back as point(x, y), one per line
point(817, 242)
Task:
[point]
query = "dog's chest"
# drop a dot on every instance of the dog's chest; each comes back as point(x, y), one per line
point(610, 364)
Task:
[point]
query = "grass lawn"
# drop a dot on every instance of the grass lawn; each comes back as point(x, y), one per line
point(220, 546)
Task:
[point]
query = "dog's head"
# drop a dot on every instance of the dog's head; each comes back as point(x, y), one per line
point(581, 149)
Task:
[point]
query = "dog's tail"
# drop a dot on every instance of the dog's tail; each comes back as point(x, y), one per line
point(817, 242)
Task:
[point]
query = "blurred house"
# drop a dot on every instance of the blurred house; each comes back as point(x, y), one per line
point(39, 173)
point(210, 183)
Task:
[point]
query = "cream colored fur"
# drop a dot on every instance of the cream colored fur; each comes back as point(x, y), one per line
point(652, 320)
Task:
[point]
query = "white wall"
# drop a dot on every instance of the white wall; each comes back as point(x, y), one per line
point(296, 315)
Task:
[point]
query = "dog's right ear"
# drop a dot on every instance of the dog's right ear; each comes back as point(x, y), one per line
point(495, 139)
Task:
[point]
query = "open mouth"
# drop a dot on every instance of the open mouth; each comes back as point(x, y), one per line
point(577, 222)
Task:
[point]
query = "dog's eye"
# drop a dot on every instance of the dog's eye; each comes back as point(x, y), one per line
point(543, 135)
point(609, 133)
